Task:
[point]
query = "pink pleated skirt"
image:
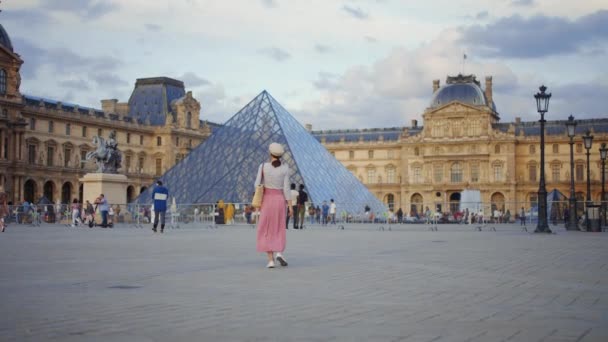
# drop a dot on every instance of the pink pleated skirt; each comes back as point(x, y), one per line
point(271, 226)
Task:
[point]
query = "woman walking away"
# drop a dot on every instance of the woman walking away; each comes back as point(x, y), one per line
point(75, 213)
point(277, 195)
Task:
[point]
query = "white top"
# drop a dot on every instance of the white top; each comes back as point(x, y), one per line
point(275, 178)
point(332, 208)
point(294, 196)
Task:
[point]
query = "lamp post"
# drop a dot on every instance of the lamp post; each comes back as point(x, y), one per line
point(588, 140)
point(542, 106)
point(572, 219)
point(603, 153)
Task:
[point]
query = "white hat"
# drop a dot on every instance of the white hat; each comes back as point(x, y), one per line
point(276, 149)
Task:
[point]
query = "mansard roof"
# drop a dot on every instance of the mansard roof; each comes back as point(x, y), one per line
point(554, 127)
point(151, 99)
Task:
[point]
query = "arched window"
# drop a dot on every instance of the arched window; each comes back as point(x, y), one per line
point(2, 81)
point(189, 120)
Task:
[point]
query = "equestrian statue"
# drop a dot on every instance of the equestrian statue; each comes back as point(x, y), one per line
point(107, 156)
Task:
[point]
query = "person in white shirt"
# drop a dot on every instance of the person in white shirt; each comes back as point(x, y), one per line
point(332, 211)
point(294, 207)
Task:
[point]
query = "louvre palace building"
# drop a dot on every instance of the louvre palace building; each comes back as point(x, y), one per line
point(464, 146)
point(461, 146)
point(43, 142)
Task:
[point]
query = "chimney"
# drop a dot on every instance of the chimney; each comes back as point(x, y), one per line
point(109, 106)
point(435, 85)
point(308, 127)
point(489, 90)
point(414, 123)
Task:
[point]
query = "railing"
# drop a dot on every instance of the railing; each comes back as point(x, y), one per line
point(240, 213)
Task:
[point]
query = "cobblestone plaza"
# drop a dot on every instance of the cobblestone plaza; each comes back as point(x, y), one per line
point(358, 284)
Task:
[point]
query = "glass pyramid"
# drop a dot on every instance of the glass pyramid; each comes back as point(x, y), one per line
point(224, 167)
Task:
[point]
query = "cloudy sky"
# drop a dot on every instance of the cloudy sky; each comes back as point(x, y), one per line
point(332, 63)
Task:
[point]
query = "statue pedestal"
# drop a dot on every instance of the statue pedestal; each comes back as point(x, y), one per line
point(112, 186)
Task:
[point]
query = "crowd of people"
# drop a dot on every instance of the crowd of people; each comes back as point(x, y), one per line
point(282, 202)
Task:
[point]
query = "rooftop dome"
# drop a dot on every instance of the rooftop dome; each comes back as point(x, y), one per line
point(460, 88)
point(4, 39)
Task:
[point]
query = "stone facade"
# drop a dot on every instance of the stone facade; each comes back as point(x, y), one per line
point(462, 145)
point(43, 142)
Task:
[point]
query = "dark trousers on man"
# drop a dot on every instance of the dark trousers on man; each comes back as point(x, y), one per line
point(295, 217)
point(159, 215)
point(104, 218)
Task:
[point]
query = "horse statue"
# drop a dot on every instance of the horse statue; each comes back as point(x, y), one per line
point(107, 156)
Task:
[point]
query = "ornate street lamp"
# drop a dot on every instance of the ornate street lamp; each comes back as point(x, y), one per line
point(603, 153)
point(588, 140)
point(542, 106)
point(572, 220)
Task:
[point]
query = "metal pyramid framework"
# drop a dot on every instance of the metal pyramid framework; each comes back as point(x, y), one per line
point(225, 165)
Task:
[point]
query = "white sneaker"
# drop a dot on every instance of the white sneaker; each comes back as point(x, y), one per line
point(281, 259)
point(270, 264)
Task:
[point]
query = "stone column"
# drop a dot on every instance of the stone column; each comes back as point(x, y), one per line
point(19, 190)
point(2, 143)
point(15, 143)
point(15, 190)
point(20, 146)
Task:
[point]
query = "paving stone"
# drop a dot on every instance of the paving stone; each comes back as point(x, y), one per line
point(357, 284)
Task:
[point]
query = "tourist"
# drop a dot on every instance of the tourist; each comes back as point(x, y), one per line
point(399, 215)
point(102, 203)
point(507, 218)
point(117, 212)
point(325, 212)
point(219, 212)
point(318, 214)
point(270, 234)
point(522, 217)
point(26, 207)
point(302, 199)
point(197, 218)
point(75, 213)
point(89, 213)
point(160, 194)
point(294, 199)
point(247, 213)
point(311, 213)
point(427, 215)
point(332, 211)
point(4, 211)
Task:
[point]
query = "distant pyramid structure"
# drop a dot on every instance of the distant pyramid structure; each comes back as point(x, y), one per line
point(224, 167)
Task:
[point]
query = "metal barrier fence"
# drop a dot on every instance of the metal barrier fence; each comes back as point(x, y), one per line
point(240, 213)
